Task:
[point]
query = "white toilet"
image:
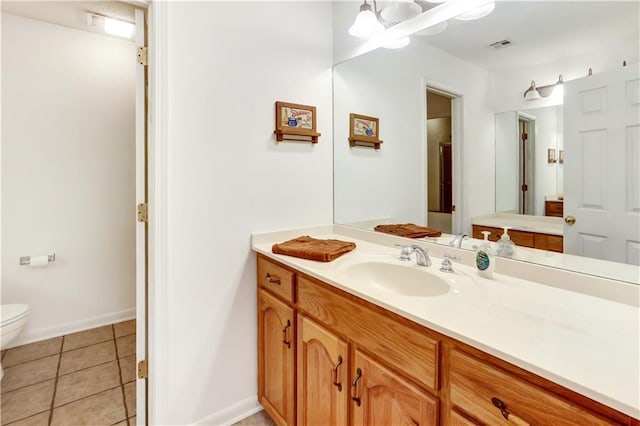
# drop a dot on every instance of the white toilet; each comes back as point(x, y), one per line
point(14, 318)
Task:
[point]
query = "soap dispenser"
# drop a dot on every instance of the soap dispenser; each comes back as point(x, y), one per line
point(484, 257)
point(506, 247)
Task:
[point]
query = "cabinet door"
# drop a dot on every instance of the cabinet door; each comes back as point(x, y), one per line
point(323, 383)
point(382, 397)
point(276, 361)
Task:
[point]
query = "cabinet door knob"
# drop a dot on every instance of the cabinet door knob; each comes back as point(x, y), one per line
point(354, 387)
point(285, 340)
point(570, 220)
point(510, 417)
point(335, 374)
point(272, 279)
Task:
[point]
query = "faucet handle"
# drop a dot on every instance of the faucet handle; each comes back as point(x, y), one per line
point(451, 257)
point(446, 263)
point(405, 253)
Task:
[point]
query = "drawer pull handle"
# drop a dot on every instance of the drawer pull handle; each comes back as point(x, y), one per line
point(510, 417)
point(272, 280)
point(354, 387)
point(335, 374)
point(285, 340)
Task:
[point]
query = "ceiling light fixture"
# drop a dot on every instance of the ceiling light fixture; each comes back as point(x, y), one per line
point(397, 43)
point(366, 23)
point(478, 12)
point(113, 26)
point(534, 93)
point(401, 10)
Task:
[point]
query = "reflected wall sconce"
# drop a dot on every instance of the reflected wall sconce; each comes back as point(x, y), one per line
point(366, 23)
point(116, 27)
point(534, 93)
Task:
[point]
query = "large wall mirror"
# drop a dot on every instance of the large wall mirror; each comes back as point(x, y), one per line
point(452, 116)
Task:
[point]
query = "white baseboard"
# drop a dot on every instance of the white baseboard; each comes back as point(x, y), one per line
point(230, 415)
point(30, 336)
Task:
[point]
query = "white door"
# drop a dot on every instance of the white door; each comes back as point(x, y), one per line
point(601, 163)
point(141, 227)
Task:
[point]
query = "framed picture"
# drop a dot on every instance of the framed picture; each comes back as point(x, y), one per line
point(551, 156)
point(561, 156)
point(296, 122)
point(364, 130)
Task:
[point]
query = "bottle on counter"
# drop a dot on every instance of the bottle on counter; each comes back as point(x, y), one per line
point(484, 257)
point(506, 247)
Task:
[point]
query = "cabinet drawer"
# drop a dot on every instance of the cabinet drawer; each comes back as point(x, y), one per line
point(275, 278)
point(409, 349)
point(475, 383)
point(549, 242)
point(554, 208)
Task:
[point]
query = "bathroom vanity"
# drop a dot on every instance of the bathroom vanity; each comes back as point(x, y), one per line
point(337, 346)
point(543, 233)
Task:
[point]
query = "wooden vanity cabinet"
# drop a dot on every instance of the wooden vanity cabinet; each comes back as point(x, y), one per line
point(323, 376)
point(535, 240)
point(276, 358)
point(382, 397)
point(326, 357)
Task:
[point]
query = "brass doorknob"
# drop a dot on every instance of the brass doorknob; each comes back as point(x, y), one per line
point(570, 220)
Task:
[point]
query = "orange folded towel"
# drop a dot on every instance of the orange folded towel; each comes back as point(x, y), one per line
point(310, 248)
point(408, 230)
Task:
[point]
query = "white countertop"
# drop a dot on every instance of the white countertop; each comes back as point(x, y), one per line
point(588, 344)
point(521, 222)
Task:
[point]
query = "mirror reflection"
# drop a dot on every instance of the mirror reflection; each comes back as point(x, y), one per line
point(460, 165)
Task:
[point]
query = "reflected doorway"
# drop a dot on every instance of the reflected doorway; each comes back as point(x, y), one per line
point(439, 161)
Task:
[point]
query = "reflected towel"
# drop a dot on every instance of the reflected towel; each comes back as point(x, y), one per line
point(306, 247)
point(408, 230)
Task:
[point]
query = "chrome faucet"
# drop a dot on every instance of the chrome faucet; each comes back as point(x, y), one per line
point(457, 240)
point(422, 256)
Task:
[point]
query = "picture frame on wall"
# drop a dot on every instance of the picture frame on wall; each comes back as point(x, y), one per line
point(364, 130)
point(296, 122)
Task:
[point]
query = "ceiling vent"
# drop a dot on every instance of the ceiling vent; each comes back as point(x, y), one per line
point(500, 44)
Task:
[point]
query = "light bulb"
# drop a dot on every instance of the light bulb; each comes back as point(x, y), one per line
point(118, 28)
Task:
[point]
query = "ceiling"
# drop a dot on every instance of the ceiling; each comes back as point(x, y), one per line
point(540, 31)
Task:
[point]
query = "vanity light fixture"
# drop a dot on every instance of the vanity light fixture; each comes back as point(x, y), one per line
point(397, 43)
point(366, 23)
point(477, 13)
point(534, 93)
point(400, 10)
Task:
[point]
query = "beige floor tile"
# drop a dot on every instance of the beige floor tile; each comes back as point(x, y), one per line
point(261, 418)
point(126, 346)
point(83, 383)
point(125, 328)
point(105, 408)
point(122, 423)
point(132, 421)
point(26, 401)
point(128, 369)
point(130, 398)
point(32, 351)
point(41, 419)
point(29, 373)
point(89, 356)
point(87, 337)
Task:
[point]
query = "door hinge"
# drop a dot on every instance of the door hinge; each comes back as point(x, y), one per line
point(142, 55)
point(453, 208)
point(143, 369)
point(143, 212)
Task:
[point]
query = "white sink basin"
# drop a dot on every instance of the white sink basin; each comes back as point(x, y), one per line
point(398, 279)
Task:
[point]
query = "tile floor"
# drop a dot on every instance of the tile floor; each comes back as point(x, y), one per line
point(261, 418)
point(85, 378)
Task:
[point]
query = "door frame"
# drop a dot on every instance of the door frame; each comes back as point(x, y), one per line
point(457, 148)
point(530, 166)
point(158, 315)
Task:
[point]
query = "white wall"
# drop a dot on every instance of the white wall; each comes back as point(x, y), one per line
point(507, 163)
point(391, 182)
point(228, 178)
point(67, 175)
